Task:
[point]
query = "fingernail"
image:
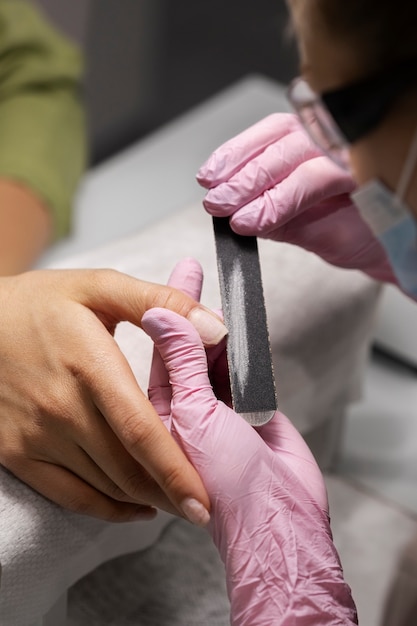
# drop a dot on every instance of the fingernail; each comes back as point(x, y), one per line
point(195, 512)
point(210, 328)
point(144, 514)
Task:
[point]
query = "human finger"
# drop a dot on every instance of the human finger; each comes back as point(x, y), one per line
point(134, 420)
point(193, 400)
point(69, 432)
point(187, 276)
point(232, 155)
point(283, 439)
point(108, 297)
point(104, 463)
point(204, 427)
point(69, 491)
point(263, 172)
point(115, 297)
point(184, 357)
point(312, 182)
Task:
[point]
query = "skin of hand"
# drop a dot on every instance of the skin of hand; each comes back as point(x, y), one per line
point(269, 511)
point(275, 183)
point(74, 424)
point(26, 227)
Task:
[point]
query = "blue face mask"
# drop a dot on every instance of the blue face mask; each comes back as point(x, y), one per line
point(392, 222)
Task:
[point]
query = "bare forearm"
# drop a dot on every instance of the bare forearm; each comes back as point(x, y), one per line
point(25, 227)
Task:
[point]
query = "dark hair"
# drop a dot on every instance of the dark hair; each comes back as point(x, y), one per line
point(380, 32)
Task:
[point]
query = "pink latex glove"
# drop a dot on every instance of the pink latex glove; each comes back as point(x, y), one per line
point(269, 517)
point(276, 184)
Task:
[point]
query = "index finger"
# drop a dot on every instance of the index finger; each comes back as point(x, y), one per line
point(187, 276)
point(231, 156)
point(116, 297)
point(135, 422)
point(264, 171)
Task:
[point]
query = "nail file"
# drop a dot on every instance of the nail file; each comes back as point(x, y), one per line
point(248, 347)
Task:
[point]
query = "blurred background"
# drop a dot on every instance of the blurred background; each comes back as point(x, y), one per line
point(150, 60)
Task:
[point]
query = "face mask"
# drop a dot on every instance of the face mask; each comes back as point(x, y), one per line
point(392, 222)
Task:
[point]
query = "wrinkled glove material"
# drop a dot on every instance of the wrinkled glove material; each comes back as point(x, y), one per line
point(275, 183)
point(269, 515)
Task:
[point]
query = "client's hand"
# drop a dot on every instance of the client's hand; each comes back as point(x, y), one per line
point(74, 423)
point(269, 516)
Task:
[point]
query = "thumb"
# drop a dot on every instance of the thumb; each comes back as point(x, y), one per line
point(185, 359)
point(187, 276)
point(285, 440)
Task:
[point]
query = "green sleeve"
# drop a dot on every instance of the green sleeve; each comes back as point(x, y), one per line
point(42, 121)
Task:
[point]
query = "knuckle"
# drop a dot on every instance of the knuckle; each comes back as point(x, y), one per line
point(54, 396)
point(114, 513)
point(173, 299)
point(81, 505)
point(101, 280)
point(138, 486)
point(173, 479)
point(140, 434)
point(54, 405)
point(13, 458)
point(108, 276)
point(100, 507)
point(22, 444)
point(52, 415)
point(137, 432)
point(115, 492)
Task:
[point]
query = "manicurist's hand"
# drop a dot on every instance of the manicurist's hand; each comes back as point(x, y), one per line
point(269, 512)
point(74, 424)
point(275, 183)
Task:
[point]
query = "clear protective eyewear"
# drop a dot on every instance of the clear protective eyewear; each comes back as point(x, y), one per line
point(318, 122)
point(338, 118)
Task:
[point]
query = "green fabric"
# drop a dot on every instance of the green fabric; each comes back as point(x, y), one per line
point(42, 121)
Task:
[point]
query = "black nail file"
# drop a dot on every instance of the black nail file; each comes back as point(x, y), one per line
point(248, 348)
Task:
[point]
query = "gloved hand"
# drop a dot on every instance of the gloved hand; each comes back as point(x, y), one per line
point(275, 183)
point(269, 517)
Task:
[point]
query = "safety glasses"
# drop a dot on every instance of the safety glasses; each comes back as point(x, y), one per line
point(337, 118)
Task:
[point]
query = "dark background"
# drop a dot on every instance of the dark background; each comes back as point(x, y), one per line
point(150, 60)
point(208, 45)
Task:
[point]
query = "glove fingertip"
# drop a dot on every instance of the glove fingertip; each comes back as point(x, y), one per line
point(207, 175)
point(152, 321)
point(187, 276)
point(203, 178)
